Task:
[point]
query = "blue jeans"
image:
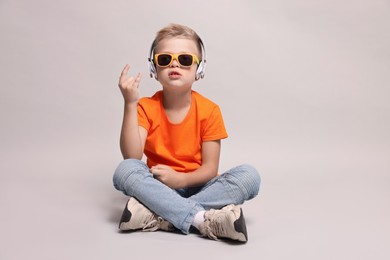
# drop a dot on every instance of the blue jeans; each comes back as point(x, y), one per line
point(179, 207)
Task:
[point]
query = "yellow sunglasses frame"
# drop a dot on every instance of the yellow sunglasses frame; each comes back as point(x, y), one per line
point(175, 56)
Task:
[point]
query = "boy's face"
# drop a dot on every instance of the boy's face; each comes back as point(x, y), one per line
point(175, 75)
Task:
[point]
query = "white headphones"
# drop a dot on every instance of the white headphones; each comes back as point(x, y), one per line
point(199, 71)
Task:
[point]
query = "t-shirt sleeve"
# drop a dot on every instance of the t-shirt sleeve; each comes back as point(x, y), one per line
point(142, 117)
point(214, 128)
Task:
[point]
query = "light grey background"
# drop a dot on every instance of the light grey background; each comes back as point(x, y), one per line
point(304, 89)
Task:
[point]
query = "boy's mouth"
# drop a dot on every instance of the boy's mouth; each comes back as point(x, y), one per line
point(174, 74)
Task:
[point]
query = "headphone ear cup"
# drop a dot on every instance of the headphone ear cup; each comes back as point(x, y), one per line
point(200, 70)
point(152, 69)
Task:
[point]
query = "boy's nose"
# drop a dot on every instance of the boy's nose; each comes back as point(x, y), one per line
point(175, 63)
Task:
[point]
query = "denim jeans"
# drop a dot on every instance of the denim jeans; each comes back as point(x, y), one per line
point(179, 207)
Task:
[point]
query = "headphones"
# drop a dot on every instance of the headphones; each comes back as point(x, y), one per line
point(199, 71)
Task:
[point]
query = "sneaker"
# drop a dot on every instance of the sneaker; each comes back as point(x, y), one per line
point(137, 217)
point(227, 222)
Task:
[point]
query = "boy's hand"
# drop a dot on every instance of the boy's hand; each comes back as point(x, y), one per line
point(168, 176)
point(129, 86)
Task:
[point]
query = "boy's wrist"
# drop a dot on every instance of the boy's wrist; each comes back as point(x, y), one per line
point(131, 104)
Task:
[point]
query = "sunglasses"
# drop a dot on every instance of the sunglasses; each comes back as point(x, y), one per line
point(184, 59)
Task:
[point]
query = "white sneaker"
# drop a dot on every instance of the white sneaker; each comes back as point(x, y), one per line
point(227, 222)
point(138, 217)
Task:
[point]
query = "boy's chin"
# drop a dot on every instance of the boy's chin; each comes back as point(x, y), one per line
point(177, 86)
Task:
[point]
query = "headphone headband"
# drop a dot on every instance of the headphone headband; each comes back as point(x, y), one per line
point(199, 71)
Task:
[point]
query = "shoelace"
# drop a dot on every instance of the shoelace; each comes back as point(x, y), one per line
point(153, 223)
point(214, 228)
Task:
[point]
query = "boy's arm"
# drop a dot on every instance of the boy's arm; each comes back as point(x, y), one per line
point(207, 171)
point(132, 139)
point(210, 162)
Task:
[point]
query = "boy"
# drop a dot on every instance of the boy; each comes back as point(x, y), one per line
point(179, 131)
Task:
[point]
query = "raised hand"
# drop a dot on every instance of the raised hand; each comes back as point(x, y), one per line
point(129, 86)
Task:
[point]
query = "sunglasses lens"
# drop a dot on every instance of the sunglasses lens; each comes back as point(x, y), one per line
point(164, 59)
point(185, 59)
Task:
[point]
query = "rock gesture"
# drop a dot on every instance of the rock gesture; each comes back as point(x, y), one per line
point(129, 86)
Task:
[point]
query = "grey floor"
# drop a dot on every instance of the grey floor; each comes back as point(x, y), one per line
point(64, 207)
point(306, 101)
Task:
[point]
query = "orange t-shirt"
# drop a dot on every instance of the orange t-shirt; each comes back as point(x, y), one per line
point(179, 145)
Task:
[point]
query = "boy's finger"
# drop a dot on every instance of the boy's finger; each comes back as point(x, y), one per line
point(155, 171)
point(125, 70)
point(162, 167)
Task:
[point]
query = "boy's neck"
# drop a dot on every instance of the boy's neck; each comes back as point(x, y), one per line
point(173, 100)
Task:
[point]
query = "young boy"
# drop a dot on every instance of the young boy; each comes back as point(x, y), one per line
point(180, 133)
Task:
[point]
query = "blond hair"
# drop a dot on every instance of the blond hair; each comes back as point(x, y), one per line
point(180, 31)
